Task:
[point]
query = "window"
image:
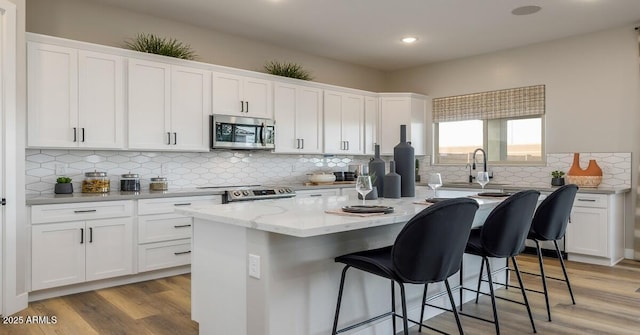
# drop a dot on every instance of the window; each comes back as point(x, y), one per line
point(507, 124)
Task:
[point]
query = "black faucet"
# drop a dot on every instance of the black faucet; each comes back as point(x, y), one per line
point(473, 165)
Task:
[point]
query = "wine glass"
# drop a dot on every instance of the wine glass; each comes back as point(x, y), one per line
point(483, 178)
point(435, 181)
point(363, 186)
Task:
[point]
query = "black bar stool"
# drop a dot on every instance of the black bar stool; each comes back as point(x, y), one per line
point(550, 224)
point(502, 236)
point(429, 249)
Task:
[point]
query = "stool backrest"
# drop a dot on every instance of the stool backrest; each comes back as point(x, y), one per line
point(505, 229)
point(430, 246)
point(551, 217)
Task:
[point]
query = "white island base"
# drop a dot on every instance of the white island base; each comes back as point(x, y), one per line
point(297, 288)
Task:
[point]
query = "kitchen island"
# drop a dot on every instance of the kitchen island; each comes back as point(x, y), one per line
point(266, 267)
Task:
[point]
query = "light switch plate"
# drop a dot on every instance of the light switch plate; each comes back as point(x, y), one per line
point(254, 266)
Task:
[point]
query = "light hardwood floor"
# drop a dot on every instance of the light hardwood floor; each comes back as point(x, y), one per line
point(608, 302)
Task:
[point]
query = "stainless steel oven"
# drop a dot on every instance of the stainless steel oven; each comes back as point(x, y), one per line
point(233, 132)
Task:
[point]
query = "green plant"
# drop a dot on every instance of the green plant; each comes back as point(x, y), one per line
point(557, 174)
point(153, 44)
point(291, 70)
point(63, 180)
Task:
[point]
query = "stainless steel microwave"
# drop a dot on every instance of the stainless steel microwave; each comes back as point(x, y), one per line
point(233, 132)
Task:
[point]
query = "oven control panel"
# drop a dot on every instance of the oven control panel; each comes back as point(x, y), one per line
point(259, 193)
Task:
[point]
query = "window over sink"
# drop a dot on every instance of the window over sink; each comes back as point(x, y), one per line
point(507, 124)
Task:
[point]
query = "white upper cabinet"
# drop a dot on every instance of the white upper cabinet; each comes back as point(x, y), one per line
point(169, 107)
point(343, 123)
point(371, 120)
point(298, 116)
point(242, 96)
point(402, 108)
point(75, 98)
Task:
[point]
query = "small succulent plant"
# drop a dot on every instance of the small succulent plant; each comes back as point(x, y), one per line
point(557, 174)
point(63, 180)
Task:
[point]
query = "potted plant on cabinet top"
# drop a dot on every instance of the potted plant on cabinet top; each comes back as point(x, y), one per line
point(557, 178)
point(63, 186)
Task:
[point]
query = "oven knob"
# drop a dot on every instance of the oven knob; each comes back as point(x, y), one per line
point(288, 190)
point(236, 193)
point(280, 190)
point(245, 193)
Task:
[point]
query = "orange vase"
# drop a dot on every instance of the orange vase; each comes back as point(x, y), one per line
point(589, 177)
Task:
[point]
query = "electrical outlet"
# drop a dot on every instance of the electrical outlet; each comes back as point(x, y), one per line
point(254, 266)
point(61, 169)
point(164, 169)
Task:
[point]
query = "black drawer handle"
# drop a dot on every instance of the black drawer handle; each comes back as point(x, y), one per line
point(315, 195)
point(81, 235)
point(182, 226)
point(86, 211)
point(182, 253)
point(184, 204)
point(588, 200)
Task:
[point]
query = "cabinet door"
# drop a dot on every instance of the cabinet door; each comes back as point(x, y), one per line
point(309, 119)
point(394, 112)
point(258, 98)
point(353, 123)
point(52, 96)
point(333, 142)
point(57, 254)
point(227, 95)
point(109, 248)
point(371, 118)
point(285, 100)
point(190, 108)
point(149, 104)
point(101, 102)
point(587, 233)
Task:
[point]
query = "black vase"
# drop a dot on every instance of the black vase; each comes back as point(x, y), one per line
point(376, 169)
point(403, 155)
point(392, 182)
point(66, 188)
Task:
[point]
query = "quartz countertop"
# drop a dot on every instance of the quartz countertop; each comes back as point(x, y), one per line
point(306, 217)
point(520, 187)
point(117, 195)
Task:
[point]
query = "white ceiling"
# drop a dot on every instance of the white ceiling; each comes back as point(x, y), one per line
point(368, 32)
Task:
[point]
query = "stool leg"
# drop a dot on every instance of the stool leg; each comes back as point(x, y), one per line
point(524, 295)
point(461, 290)
point(424, 299)
point(493, 296)
point(335, 320)
point(564, 270)
point(393, 305)
point(453, 307)
point(506, 277)
point(405, 323)
point(544, 279)
point(480, 279)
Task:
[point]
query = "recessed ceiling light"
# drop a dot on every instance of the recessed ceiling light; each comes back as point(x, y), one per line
point(526, 10)
point(409, 40)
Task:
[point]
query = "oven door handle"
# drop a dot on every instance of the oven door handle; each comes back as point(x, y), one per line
point(263, 134)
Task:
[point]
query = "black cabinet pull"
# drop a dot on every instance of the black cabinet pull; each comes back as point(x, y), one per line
point(241, 106)
point(168, 138)
point(315, 195)
point(588, 200)
point(175, 138)
point(82, 134)
point(81, 235)
point(182, 253)
point(183, 204)
point(182, 226)
point(90, 235)
point(247, 102)
point(86, 211)
point(75, 134)
point(302, 140)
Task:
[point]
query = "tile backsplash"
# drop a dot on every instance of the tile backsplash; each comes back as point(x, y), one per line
point(226, 167)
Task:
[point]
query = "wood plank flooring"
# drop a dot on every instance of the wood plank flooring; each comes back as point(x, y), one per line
point(608, 302)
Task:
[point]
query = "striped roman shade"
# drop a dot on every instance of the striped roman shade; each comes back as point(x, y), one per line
point(509, 103)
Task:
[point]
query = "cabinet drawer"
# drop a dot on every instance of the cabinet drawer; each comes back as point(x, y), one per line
point(162, 255)
point(590, 200)
point(163, 227)
point(81, 211)
point(167, 205)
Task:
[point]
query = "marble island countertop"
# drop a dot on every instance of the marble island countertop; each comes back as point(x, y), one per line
point(306, 217)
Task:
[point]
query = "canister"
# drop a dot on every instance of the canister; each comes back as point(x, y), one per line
point(130, 182)
point(159, 184)
point(96, 182)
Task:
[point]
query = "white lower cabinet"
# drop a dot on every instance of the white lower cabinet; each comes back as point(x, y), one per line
point(73, 252)
point(595, 233)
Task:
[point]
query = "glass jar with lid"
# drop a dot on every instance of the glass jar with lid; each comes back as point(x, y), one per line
point(130, 182)
point(96, 182)
point(159, 184)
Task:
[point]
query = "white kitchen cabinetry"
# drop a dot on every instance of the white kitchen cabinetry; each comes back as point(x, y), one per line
point(402, 108)
point(169, 106)
point(343, 123)
point(75, 243)
point(242, 96)
point(164, 238)
point(595, 233)
point(371, 121)
point(298, 116)
point(75, 98)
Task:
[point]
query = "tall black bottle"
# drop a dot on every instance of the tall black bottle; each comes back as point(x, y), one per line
point(404, 156)
point(376, 166)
